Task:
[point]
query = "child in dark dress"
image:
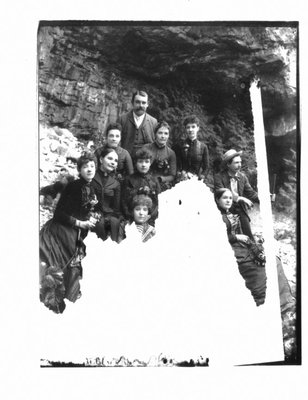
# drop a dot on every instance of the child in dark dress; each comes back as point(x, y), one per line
point(61, 238)
point(142, 181)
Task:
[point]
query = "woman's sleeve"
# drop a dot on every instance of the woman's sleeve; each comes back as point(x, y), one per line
point(231, 236)
point(98, 190)
point(129, 164)
point(155, 205)
point(65, 206)
point(172, 163)
point(117, 199)
point(158, 188)
point(125, 190)
point(205, 160)
point(178, 156)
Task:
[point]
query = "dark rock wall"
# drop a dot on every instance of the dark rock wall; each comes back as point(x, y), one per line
point(88, 72)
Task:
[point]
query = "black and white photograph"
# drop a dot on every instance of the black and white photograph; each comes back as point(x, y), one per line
point(168, 192)
point(153, 204)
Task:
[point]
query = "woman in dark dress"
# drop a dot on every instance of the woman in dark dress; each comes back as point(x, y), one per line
point(113, 139)
point(61, 238)
point(109, 190)
point(192, 154)
point(164, 159)
point(141, 181)
point(249, 256)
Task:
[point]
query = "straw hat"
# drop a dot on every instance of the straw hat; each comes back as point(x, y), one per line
point(229, 155)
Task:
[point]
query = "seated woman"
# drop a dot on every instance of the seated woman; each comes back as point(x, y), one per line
point(142, 181)
point(140, 208)
point(249, 256)
point(109, 190)
point(61, 238)
point(164, 159)
point(113, 138)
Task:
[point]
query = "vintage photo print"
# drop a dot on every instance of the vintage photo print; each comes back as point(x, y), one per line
point(168, 193)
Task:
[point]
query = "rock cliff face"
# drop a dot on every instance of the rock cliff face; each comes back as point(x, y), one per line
point(87, 73)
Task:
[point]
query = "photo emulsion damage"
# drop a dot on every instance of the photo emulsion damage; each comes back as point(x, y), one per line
point(168, 193)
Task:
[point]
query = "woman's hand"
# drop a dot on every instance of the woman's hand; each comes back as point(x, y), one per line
point(243, 238)
point(86, 224)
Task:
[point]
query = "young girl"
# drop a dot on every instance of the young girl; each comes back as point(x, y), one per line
point(249, 256)
point(142, 181)
point(61, 238)
point(140, 207)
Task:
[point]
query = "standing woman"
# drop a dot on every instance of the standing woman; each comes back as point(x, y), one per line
point(164, 159)
point(192, 155)
point(109, 190)
point(250, 258)
point(61, 238)
point(113, 139)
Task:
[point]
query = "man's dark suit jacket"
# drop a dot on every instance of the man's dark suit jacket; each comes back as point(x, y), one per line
point(222, 180)
point(130, 131)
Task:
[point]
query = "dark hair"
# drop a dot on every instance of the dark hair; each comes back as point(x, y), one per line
point(219, 192)
point(106, 150)
point(115, 125)
point(160, 125)
point(143, 154)
point(85, 158)
point(191, 119)
point(139, 93)
point(141, 200)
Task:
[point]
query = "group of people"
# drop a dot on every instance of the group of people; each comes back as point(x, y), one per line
point(117, 192)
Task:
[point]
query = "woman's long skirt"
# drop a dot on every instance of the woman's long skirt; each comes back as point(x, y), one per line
point(61, 251)
point(253, 273)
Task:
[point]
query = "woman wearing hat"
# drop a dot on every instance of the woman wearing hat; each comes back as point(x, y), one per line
point(243, 194)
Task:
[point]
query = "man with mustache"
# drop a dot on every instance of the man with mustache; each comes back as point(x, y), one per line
point(137, 126)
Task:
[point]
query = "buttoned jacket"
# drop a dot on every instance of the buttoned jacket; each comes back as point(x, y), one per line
point(109, 192)
point(130, 130)
point(222, 180)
